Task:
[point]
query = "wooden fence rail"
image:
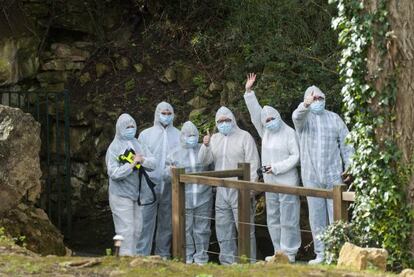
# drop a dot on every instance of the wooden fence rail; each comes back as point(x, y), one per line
point(341, 200)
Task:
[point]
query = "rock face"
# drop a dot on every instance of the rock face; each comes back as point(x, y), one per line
point(18, 59)
point(20, 184)
point(362, 258)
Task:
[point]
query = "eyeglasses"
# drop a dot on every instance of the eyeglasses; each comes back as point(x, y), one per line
point(228, 120)
point(166, 113)
point(318, 98)
point(270, 119)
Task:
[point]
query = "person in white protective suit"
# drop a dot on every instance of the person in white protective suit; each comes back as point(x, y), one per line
point(324, 158)
point(280, 158)
point(123, 182)
point(198, 198)
point(226, 149)
point(161, 139)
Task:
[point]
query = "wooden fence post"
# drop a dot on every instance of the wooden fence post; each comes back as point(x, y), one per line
point(244, 214)
point(340, 207)
point(178, 215)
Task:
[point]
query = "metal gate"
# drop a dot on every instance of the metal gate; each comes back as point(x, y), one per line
point(51, 110)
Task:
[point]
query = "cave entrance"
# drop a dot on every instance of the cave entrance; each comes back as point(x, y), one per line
point(51, 110)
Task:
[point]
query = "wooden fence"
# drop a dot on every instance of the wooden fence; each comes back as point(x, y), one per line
point(341, 200)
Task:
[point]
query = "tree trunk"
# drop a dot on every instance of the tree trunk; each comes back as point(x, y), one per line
point(398, 63)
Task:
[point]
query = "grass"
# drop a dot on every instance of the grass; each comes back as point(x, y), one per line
point(20, 265)
point(18, 261)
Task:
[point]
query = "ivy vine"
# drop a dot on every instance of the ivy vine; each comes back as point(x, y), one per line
point(381, 215)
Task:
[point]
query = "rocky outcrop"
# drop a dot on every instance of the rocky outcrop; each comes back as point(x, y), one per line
point(362, 258)
point(18, 59)
point(20, 184)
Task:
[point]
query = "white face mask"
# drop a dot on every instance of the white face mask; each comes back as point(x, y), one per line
point(273, 125)
point(317, 107)
point(129, 133)
point(166, 119)
point(225, 127)
point(191, 141)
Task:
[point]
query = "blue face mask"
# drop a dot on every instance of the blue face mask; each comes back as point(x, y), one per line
point(273, 125)
point(317, 107)
point(191, 141)
point(166, 119)
point(129, 133)
point(225, 128)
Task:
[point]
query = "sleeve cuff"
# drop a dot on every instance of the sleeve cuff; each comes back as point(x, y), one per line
point(275, 170)
point(247, 94)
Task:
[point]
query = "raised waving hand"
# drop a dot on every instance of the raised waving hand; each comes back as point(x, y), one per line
point(251, 78)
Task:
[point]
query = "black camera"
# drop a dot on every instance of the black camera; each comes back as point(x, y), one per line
point(261, 170)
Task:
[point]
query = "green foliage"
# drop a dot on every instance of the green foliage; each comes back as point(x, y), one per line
point(380, 211)
point(3, 236)
point(289, 43)
point(8, 240)
point(336, 235)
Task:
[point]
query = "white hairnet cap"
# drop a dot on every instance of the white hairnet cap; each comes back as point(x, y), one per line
point(163, 106)
point(225, 112)
point(267, 112)
point(188, 129)
point(122, 123)
point(315, 90)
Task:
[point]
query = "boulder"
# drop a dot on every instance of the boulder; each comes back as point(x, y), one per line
point(33, 228)
point(279, 258)
point(214, 86)
point(198, 102)
point(408, 272)
point(169, 75)
point(19, 163)
point(362, 258)
point(20, 184)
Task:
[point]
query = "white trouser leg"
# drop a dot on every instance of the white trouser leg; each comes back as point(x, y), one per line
point(202, 231)
point(189, 235)
point(290, 239)
point(163, 234)
point(273, 218)
point(123, 210)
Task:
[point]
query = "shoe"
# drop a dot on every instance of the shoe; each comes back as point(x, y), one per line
point(292, 259)
point(268, 258)
point(318, 260)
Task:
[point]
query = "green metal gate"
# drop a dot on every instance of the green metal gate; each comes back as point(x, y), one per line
point(51, 110)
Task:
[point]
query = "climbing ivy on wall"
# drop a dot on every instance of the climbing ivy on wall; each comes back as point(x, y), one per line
point(380, 212)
